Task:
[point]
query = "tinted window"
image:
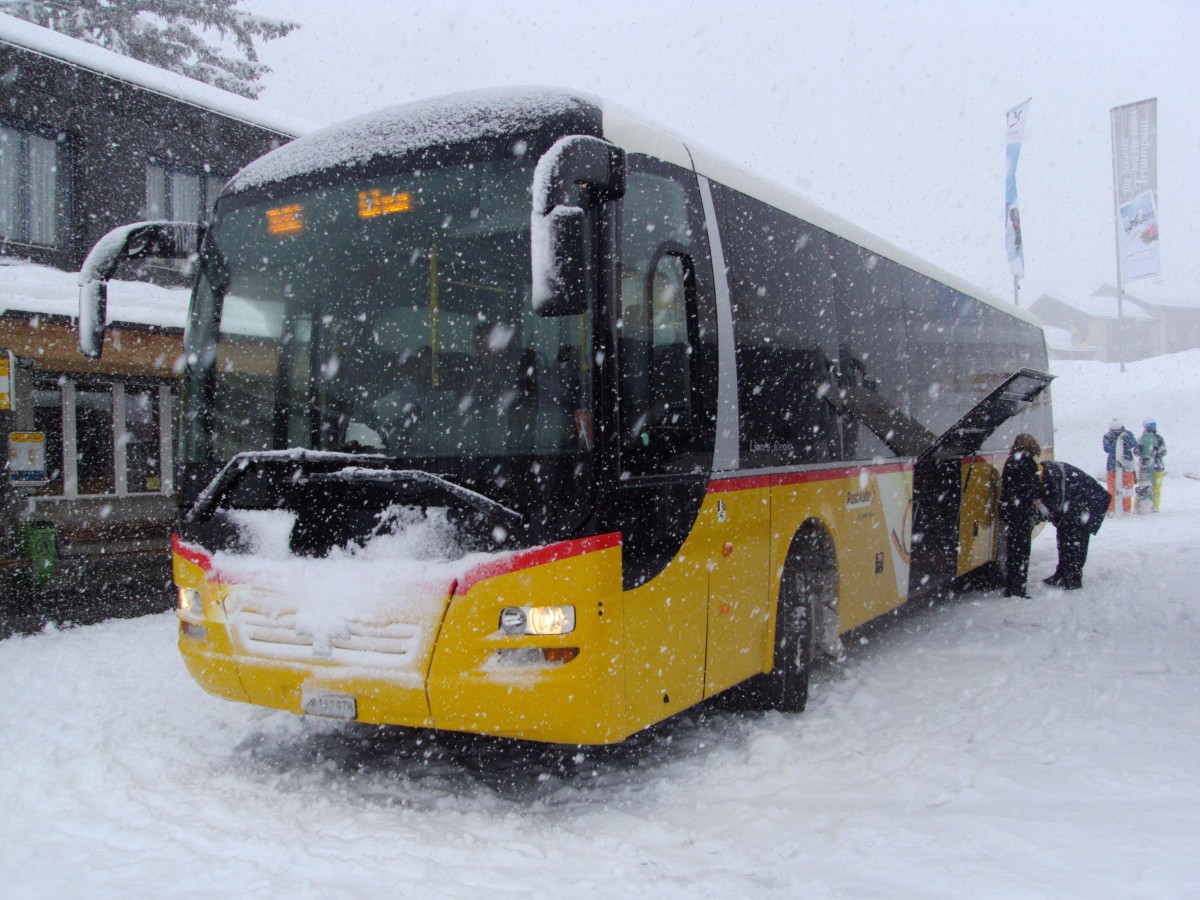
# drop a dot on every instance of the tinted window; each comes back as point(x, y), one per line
point(666, 315)
point(667, 342)
point(1013, 344)
point(871, 350)
point(785, 334)
point(960, 350)
point(946, 336)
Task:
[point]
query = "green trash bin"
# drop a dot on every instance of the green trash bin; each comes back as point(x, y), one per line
point(39, 541)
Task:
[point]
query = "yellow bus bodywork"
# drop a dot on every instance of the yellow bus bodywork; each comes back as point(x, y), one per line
point(702, 625)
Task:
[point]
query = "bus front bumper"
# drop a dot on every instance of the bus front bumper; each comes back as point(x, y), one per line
point(462, 673)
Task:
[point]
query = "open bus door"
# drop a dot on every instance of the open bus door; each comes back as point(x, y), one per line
point(937, 479)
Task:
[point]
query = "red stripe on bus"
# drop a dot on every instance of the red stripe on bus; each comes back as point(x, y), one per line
point(538, 556)
point(192, 554)
point(751, 482)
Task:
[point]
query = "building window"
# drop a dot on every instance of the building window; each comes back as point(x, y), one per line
point(94, 440)
point(48, 419)
point(179, 194)
point(31, 178)
point(105, 438)
point(143, 443)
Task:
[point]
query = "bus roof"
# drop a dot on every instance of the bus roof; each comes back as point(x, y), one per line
point(501, 112)
point(636, 134)
point(721, 170)
point(440, 121)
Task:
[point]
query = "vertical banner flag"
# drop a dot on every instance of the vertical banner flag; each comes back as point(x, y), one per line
point(1012, 216)
point(1135, 182)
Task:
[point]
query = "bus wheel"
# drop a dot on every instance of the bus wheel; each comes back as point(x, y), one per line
point(785, 687)
point(798, 598)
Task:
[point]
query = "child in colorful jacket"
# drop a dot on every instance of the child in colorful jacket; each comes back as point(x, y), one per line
point(1119, 443)
point(1151, 450)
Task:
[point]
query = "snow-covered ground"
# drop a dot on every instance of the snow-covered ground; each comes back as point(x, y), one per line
point(987, 747)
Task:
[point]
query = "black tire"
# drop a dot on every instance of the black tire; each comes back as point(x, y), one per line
point(785, 687)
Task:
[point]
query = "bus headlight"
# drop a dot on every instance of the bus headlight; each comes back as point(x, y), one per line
point(537, 619)
point(189, 605)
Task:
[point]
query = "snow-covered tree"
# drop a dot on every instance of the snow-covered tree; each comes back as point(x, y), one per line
point(171, 34)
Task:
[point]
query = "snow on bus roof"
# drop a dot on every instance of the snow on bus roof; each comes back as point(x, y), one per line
point(413, 126)
point(28, 36)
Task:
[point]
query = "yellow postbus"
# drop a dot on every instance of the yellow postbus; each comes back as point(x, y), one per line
point(512, 413)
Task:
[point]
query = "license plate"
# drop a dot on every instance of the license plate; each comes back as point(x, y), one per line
point(329, 705)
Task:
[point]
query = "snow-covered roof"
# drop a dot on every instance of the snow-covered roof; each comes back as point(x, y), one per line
point(40, 290)
point(1097, 307)
point(1152, 293)
point(28, 36)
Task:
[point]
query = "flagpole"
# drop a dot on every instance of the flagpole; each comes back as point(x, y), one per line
point(1117, 244)
point(1016, 291)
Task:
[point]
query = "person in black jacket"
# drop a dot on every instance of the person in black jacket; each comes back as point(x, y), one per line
point(1019, 492)
point(1076, 504)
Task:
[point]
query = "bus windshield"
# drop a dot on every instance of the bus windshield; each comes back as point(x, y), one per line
point(391, 316)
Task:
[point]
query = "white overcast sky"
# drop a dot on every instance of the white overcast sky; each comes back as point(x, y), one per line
point(890, 113)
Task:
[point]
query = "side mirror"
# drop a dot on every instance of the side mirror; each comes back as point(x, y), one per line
point(566, 265)
point(560, 243)
point(141, 240)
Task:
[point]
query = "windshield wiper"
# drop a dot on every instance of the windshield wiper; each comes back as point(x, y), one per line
point(356, 469)
point(424, 482)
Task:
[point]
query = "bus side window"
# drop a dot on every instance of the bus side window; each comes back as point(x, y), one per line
point(785, 333)
point(668, 402)
point(659, 327)
point(667, 365)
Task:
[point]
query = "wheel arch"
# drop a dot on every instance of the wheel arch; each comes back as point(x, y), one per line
point(807, 579)
point(812, 552)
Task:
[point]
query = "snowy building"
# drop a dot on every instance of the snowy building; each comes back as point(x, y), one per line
point(1177, 315)
point(1092, 323)
point(1155, 323)
point(1061, 344)
point(89, 140)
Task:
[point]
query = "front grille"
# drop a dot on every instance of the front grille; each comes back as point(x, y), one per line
point(281, 634)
